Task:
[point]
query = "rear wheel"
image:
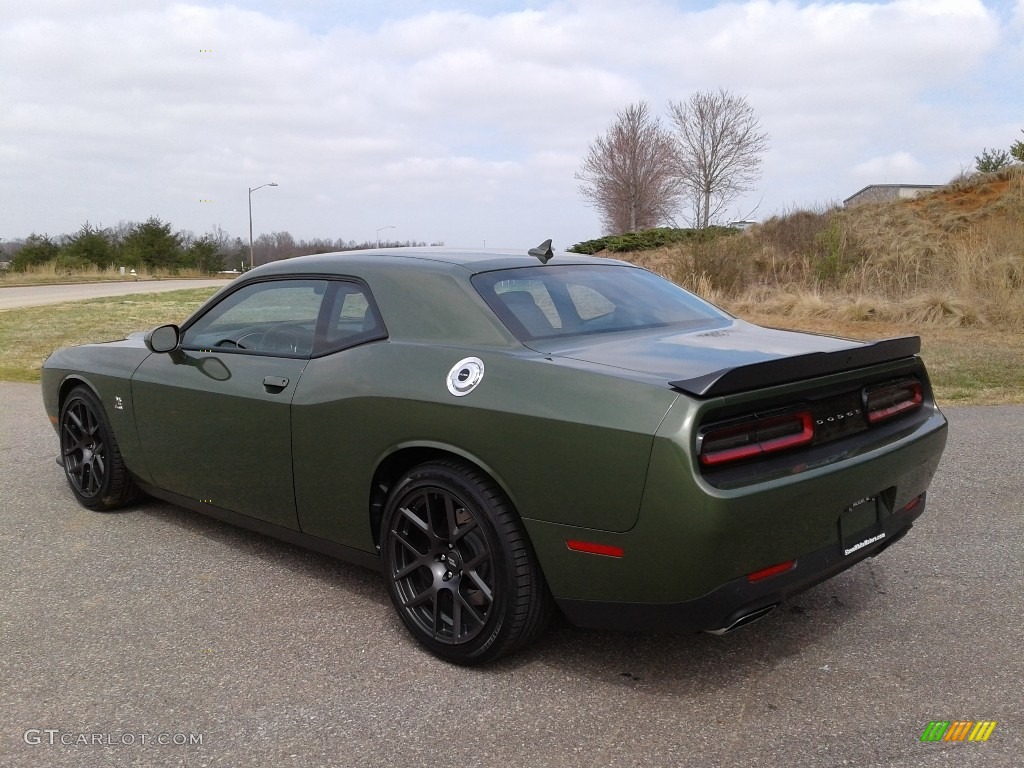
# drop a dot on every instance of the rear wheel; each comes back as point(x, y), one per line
point(92, 461)
point(459, 567)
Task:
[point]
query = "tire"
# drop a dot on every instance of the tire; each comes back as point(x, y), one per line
point(92, 461)
point(459, 566)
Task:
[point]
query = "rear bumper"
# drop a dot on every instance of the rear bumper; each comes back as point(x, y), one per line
point(739, 601)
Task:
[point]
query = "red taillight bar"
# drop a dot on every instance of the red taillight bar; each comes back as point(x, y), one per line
point(892, 400)
point(756, 437)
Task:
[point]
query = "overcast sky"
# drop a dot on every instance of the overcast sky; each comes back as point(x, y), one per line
point(465, 122)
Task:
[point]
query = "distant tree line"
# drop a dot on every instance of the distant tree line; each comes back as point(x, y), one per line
point(154, 245)
point(281, 245)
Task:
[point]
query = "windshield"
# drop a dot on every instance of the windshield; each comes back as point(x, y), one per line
point(546, 302)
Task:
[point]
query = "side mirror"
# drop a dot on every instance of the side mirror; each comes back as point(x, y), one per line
point(165, 338)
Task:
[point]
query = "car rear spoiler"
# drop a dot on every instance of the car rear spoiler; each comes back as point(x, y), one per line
point(788, 369)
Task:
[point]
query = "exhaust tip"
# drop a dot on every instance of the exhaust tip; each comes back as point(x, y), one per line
point(746, 618)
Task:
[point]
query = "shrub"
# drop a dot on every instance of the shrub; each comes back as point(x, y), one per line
point(37, 249)
point(69, 264)
point(649, 239)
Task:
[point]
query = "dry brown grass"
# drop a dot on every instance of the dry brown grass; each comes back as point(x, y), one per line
point(948, 266)
point(954, 257)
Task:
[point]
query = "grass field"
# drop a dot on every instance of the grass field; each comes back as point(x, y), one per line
point(970, 366)
point(29, 335)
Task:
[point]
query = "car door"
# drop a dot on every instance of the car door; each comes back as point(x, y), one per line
point(214, 416)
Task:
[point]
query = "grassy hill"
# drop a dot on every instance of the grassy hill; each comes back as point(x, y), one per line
point(954, 257)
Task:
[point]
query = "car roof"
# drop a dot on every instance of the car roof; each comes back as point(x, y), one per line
point(472, 260)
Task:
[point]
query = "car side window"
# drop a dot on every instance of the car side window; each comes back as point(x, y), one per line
point(350, 317)
point(277, 317)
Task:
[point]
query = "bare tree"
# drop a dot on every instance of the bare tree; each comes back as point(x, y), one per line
point(720, 144)
point(629, 175)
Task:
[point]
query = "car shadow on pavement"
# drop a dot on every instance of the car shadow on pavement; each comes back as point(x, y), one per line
point(801, 625)
point(358, 581)
point(639, 660)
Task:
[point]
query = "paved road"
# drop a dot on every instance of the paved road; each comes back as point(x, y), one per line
point(159, 621)
point(34, 295)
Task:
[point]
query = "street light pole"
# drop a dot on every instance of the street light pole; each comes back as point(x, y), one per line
point(381, 229)
point(251, 190)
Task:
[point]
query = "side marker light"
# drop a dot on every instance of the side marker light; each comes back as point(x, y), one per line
point(593, 548)
point(771, 570)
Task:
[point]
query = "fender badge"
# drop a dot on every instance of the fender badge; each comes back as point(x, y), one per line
point(465, 375)
point(118, 405)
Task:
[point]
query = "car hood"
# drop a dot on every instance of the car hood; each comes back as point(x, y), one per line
point(671, 356)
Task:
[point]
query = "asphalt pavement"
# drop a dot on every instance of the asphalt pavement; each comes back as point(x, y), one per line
point(158, 637)
point(35, 295)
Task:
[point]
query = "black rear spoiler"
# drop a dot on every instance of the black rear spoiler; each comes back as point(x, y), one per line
point(788, 369)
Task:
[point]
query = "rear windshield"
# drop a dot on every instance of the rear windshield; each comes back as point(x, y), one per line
point(547, 302)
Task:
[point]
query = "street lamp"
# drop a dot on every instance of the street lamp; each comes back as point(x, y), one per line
point(251, 190)
point(389, 226)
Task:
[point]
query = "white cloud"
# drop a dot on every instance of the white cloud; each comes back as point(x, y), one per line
point(461, 121)
point(896, 167)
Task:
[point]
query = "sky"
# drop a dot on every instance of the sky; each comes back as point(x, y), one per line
point(465, 122)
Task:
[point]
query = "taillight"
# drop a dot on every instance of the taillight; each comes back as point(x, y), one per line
point(887, 401)
point(755, 436)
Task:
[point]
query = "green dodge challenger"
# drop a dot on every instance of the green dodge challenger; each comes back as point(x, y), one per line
point(506, 434)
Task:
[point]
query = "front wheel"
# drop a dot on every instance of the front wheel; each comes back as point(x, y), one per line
point(92, 461)
point(459, 567)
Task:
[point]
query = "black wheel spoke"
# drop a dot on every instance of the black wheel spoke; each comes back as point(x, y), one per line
point(475, 562)
point(436, 518)
point(456, 615)
point(449, 515)
point(481, 585)
point(466, 528)
point(437, 619)
point(421, 598)
point(75, 421)
point(476, 617)
point(410, 568)
point(94, 479)
point(401, 539)
point(408, 514)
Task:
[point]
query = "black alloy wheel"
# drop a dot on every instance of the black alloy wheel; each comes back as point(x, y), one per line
point(90, 455)
point(459, 567)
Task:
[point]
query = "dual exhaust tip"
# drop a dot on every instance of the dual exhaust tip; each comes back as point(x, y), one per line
point(744, 619)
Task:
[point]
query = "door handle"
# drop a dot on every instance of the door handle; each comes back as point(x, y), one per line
point(274, 383)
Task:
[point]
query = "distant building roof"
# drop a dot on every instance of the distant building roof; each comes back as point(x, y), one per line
point(883, 193)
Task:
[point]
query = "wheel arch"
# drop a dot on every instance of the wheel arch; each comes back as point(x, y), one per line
point(402, 458)
point(70, 382)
